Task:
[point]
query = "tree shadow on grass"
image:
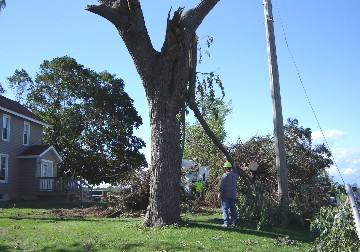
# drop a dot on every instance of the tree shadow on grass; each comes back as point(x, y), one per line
point(121, 246)
point(5, 248)
point(298, 233)
point(74, 247)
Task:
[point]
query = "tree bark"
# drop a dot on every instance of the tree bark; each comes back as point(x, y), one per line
point(166, 154)
point(165, 80)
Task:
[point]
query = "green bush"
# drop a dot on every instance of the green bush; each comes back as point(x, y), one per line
point(258, 206)
point(335, 230)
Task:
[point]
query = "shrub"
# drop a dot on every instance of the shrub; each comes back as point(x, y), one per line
point(255, 204)
point(334, 230)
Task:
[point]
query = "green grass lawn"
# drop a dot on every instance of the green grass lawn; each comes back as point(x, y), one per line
point(39, 227)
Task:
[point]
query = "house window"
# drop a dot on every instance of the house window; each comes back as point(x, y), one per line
point(6, 128)
point(3, 168)
point(26, 134)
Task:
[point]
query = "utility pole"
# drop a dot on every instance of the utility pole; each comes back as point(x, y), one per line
point(282, 173)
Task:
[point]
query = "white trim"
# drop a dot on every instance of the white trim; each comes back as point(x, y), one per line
point(56, 154)
point(25, 117)
point(6, 167)
point(27, 134)
point(43, 153)
point(8, 127)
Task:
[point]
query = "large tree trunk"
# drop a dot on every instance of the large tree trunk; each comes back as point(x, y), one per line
point(165, 77)
point(166, 97)
point(166, 154)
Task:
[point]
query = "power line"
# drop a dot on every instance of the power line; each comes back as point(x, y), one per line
point(306, 95)
point(355, 179)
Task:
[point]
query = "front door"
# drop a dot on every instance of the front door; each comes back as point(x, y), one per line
point(46, 172)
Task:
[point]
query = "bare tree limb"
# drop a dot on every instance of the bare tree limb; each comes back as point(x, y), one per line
point(194, 17)
point(127, 16)
point(216, 141)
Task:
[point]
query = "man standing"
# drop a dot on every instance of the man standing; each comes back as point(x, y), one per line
point(227, 194)
point(355, 192)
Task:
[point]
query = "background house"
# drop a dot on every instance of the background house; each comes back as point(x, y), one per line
point(23, 156)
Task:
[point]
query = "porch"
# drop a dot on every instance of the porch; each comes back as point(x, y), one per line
point(63, 188)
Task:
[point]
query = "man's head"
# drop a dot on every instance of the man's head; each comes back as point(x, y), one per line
point(354, 186)
point(227, 165)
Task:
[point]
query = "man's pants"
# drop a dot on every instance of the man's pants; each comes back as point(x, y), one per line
point(227, 203)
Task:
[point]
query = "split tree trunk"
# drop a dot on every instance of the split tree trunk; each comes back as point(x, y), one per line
point(165, 77)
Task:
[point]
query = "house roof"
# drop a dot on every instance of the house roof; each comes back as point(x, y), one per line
point(17, 109)
point(39, 151)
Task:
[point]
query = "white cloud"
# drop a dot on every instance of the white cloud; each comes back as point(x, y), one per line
point(332, 170)
point(331, 136)
point(348, 162)
point(356, 162)
point(349, 171)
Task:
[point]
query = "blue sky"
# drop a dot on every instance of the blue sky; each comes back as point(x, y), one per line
point(323, 37)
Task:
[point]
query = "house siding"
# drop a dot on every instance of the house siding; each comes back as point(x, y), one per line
point(23, 161)
point(30, 170)
point(27, 176)
point(12, 148)
point(36, 134)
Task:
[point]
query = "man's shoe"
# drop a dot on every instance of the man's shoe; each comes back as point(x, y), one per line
point(225, 225)
point(233, 224)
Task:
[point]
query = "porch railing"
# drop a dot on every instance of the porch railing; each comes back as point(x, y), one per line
point(78, 187)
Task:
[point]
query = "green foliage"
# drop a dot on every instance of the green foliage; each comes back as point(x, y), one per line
point(19, 82)
point(200, 148)
point(335, 230)
point(210, 105)
point(91, 119)
point(2, 4)
point(198, 145)
point(2, 90)
point(257, 205)
point(209, 42)
point(307, 177)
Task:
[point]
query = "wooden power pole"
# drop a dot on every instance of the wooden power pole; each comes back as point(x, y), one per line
point(282, 173)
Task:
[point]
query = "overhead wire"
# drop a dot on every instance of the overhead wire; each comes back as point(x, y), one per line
point(306, 94)
point(355, 179)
